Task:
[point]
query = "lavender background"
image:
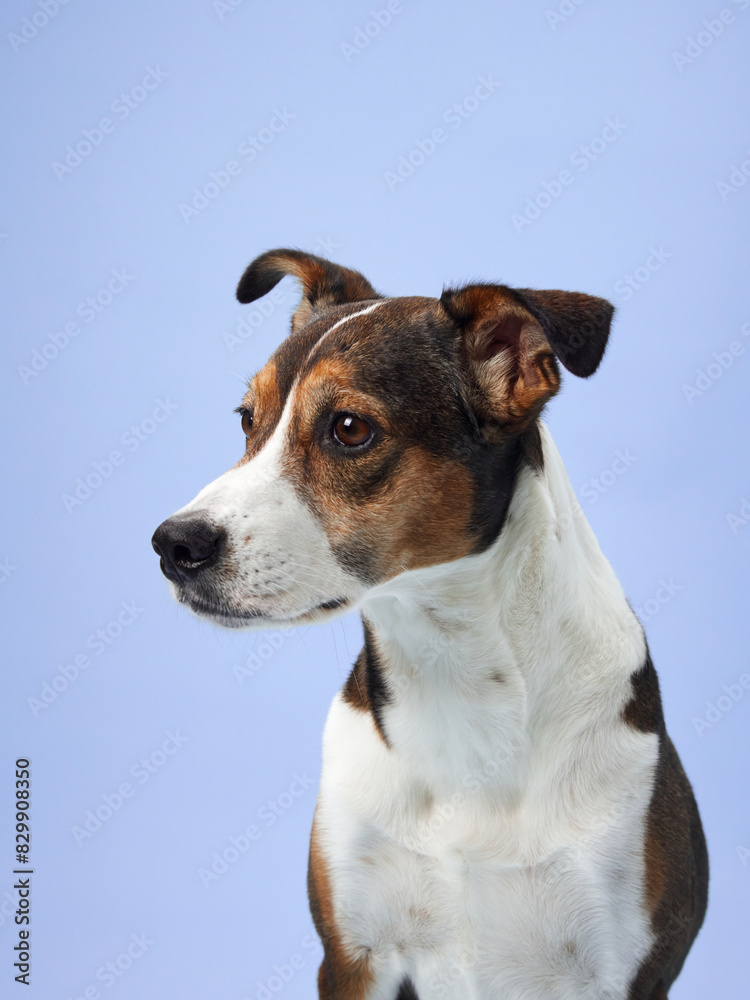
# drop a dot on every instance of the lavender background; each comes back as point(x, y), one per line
point(318, 106)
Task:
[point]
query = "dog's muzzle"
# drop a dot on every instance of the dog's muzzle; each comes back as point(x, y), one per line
point(187, 545)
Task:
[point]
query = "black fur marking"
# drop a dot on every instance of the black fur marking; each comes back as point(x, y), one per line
point(576, 326)
point(531, 442)
point(365, 688)
point(495, 474)
point(407, 991)
point(676, 861)
point(675, 848)
point(644, 712)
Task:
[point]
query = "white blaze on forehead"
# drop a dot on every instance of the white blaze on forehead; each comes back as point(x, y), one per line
point(362, 312)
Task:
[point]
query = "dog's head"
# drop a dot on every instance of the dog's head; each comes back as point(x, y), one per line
point(382, 436)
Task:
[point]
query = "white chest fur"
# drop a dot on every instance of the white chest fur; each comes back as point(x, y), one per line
point(494, 847)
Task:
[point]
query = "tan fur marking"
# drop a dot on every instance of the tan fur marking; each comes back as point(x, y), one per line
point(421, 520)
point(331, 382)
point(340, 975)
point(266, 390)
point(262, 397)
point(302, 314)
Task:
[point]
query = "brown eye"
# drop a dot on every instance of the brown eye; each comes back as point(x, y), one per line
point(247, 422)
point(351, 431)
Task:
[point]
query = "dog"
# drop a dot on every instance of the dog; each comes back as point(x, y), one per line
point(502, 815)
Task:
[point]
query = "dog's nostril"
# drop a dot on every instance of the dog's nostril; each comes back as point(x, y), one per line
point(196, 552)
point(186, 545)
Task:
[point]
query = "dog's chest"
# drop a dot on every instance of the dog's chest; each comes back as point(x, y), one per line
point(473, 890)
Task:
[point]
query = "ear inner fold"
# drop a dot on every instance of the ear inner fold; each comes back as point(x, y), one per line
point(513, 367)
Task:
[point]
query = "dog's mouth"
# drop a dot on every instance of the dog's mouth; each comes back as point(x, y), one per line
point(221, 613)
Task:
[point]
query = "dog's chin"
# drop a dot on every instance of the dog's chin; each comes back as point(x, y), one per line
point(226, 616)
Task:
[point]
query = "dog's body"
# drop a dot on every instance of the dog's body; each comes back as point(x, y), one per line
point(501, 812)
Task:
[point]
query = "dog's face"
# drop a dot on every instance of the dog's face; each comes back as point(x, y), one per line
point(382, 436)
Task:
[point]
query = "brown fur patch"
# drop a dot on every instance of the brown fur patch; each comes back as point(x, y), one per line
point(398, 503)
point(676, 874)
point(420, 516)
point(675, 853)
point(355, 691)
point(340, 976)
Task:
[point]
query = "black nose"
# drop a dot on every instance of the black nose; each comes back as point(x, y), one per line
point(187, 545)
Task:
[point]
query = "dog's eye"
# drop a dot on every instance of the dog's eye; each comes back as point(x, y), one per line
point(351, 431)
point(247, 422)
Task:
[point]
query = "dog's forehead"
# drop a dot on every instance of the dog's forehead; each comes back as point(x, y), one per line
point(375, 341)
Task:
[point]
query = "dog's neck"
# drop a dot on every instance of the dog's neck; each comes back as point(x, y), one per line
point(484, 656)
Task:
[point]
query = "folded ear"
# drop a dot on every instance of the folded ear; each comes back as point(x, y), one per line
point(511, 338)
point(323, 282)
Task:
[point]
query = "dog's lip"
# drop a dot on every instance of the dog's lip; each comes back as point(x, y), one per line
point(202, 606)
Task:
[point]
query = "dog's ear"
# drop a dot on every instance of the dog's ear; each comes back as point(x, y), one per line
point(511, 338)
point(323, 282)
